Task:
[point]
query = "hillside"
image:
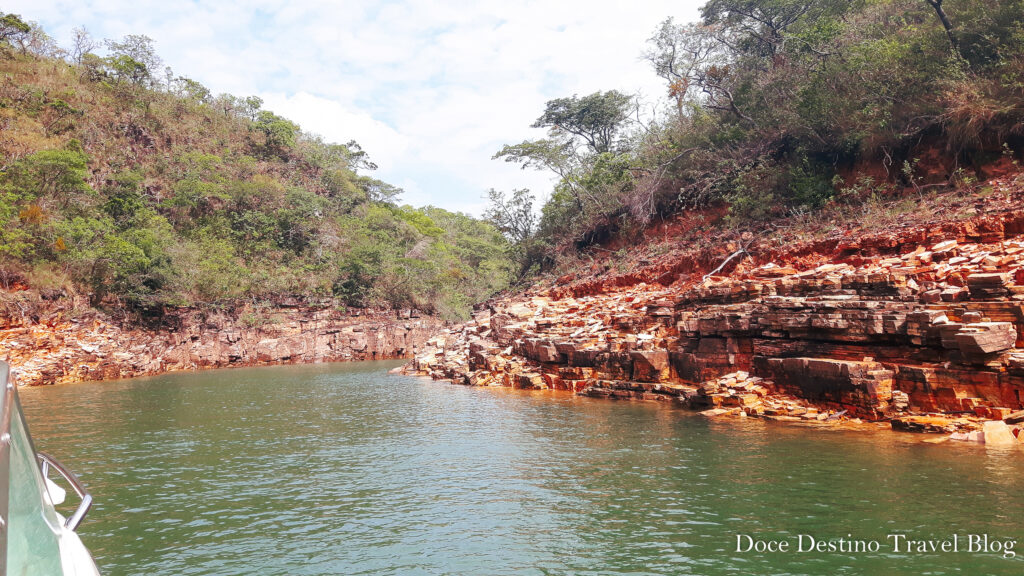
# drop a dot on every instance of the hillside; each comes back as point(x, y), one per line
point(777, 109)
point(141, 190)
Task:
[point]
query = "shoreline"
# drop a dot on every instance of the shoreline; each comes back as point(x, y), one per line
point(843, 425)
point(60, 342)
point(204, 370)
point(922, 328)
point(927, 428)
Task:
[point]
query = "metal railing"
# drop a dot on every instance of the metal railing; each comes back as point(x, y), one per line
point(8, 403)
point(45, 463)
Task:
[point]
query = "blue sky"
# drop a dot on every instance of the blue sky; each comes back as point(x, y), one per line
point(431, 89)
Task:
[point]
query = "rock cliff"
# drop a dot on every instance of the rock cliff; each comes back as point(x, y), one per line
point(63, 340)
point(921, 326)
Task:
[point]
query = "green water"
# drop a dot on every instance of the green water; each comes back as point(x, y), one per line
point(342, 469)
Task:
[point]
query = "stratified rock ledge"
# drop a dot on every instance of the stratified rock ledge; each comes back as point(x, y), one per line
point(63, 341)
point(925, 336)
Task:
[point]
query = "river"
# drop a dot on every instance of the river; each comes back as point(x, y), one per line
point(343, 469)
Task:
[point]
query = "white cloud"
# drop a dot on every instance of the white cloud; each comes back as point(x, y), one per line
point(430, 88)
point(336, 123)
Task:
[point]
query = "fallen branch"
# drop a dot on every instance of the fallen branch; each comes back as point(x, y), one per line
point(722, 265)
point(743, 250)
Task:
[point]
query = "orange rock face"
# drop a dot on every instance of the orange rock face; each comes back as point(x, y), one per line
point(57, 342)
point(914, 321)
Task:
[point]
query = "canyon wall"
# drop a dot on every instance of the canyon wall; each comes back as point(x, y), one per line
point(62, 340)
point(892, 326)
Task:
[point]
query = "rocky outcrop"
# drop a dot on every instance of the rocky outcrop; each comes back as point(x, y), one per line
point(66, 341)
point(915, 330)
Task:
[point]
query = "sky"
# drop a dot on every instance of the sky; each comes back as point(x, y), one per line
point(431, 89)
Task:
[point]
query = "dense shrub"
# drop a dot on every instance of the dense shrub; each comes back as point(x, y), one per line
point(771, 100)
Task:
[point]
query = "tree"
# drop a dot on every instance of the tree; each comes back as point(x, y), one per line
point(14, 30)
point(740, 48)
point(548, 154)
point(377, 190)
point(355, 157)
point(127, 69)
point(280, 132)
point(513, 216)
point(134, 58)
point(693, 59)
point(82, 43)
point(35, 41)
point(250, 107)
point(756, 27)
point(596, 118)
point(946, 25)
point(677, 52)
point(52, 175)
point(58, 115)
point(124, 201)
point(543, 154)
point(349, 156)
point(191, 89)
point(584, 150)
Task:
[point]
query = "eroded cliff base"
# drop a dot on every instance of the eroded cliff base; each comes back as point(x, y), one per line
point(60, 339)
point(919, 325)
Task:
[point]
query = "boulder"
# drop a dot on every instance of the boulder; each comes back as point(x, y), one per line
point(529, 381)
point(988, 286)
point(547, 353)
point(520, 311)
point(650, 366)
point(997, 433)
point(985, 338)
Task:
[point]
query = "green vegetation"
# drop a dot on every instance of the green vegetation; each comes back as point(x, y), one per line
point(145, 191)
point(785, 106)
point(141, 188)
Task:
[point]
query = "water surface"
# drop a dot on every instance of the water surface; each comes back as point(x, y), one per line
point(342, 469)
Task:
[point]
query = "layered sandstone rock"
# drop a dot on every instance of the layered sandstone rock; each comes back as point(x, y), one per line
point(929, 329)
point(65, 341)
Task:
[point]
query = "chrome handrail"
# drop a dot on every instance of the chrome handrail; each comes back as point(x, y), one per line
point(45, 463)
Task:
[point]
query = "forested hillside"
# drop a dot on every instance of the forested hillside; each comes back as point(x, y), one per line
point(127, 182)
point(781, 109)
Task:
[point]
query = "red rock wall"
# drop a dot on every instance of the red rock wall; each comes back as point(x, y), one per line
point(65, 341)
point(933, 329)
